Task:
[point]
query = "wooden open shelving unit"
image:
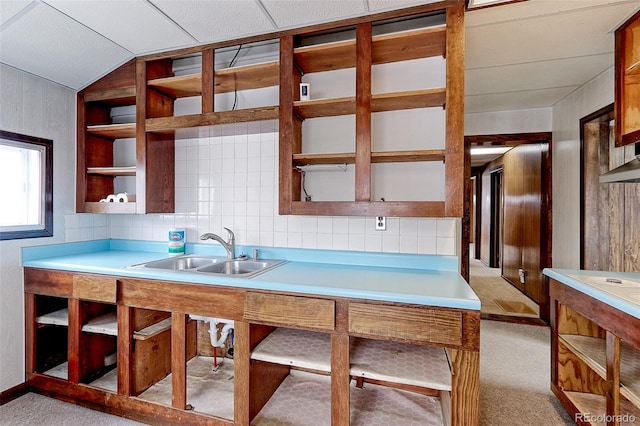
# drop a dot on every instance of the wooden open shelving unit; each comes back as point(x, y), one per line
point(361, 53)
point(595, 357)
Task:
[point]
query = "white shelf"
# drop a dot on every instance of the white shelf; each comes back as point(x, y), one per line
point(152, 330)
point(60, 317)
point(104, 324)
point(422, 366)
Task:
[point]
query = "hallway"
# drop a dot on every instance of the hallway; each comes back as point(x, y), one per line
point(499, 298)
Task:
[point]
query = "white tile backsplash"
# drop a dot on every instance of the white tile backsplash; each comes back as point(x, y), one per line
point(231, 180)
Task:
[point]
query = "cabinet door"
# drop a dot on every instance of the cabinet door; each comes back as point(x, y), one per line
point(628, 82)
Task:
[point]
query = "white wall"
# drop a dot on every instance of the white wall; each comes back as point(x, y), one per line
point(35, 107)
point(567, 113)
point(518, 121)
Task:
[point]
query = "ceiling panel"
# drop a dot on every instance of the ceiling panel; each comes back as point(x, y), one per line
point(516, 100)
point(133, 24)
point(547, 37)
point(10, 8)
point(295, 13)
point(46, 43)
point(217, 20)
point(536, 75)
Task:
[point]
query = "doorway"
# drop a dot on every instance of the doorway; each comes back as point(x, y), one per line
point(512, 237)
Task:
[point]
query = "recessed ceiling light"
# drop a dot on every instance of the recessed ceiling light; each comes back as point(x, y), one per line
point(493, 150)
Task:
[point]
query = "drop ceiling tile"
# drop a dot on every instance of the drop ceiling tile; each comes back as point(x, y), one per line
point(296, 13)
point(536, 75)
point(133, 24)
point(49, 44)
point(217, 20)
point(543, 38)
point(10, 8)
point(516, 100)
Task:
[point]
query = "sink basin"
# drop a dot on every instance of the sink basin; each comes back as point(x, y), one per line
point(215, 265)
point(239, 267)
point(181, 263)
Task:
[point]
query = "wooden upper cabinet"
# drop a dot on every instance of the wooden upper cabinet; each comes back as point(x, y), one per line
point(627, 100)
point(359, 156)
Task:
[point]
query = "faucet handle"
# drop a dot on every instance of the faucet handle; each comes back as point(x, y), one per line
point(232, 237)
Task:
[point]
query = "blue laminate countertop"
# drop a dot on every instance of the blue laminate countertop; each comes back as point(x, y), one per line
point(620, 290)
point(404, 278)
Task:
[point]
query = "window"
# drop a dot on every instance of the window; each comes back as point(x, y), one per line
point(26, 186)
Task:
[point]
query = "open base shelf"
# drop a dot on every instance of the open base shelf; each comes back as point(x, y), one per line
point(380, 360)
point(304, 396)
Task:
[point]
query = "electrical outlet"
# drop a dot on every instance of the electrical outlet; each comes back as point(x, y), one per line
point(522, 274)
point(381, 223)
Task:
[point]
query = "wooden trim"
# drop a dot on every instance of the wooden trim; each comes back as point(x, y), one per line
point(414, 10)
point(457, 171)
point(508, 139)
point(373, 208)
point(340, 379)
point(363, 112)
point(208, 80)
point(13, 393)
point(178, 360)
point(141, 137)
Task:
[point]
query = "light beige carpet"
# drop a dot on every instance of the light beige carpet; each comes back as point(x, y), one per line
point(496, 295)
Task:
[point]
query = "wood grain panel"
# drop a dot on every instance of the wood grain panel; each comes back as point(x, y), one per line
point(47, 282)
point(363, 112)
point(575, 375)
point(292, 311)
point(465, 387)
point(571, 322)
point(197, 299)
point(415, 324)
point(95, 287)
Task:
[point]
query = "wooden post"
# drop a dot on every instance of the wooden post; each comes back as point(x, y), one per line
point(340, 379)
point(125, 349)
point(363, 112)
point(178, 360)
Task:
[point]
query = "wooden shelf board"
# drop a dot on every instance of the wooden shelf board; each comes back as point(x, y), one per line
point(181, 86)
point(117, 208)
point(373, 208)
point(113, 131)
point(379, 103)
point(247, 77)
point(116, 97)
point(333, 158)
point(152, 330)
point(376, 157)
point(104, 324)
point(401, 46)
point(163, 124)
point(408, 100)
point(408, 156)
point(406, 45)
point(112, 171)
point(60, 317)
point(254, 76)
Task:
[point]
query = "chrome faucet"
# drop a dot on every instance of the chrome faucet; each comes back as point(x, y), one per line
point(229, 246)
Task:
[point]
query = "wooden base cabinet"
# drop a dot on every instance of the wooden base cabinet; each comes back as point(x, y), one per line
point(595, 353)
point(352, 351)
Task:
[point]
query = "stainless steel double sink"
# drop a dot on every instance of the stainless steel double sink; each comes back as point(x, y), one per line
point(214, 265)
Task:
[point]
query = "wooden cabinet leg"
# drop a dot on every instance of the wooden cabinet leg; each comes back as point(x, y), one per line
point(340, 409)
point(241, 366)
point(178, 360)
point(613, 379)
point(125, 350)
point(30, 333)
point(465, 387)
point(74, 357)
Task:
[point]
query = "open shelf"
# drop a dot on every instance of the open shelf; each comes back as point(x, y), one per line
point(112, 171)
point(593, 352)
point(400, 46)
point(168, 124)
point(59, 317)
point(104, 324)
point(380, 360)
point(426, 98)
point(113, 131)
point(376, 157)
point(119, 96)
point(116, 208)
point(254, 76)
